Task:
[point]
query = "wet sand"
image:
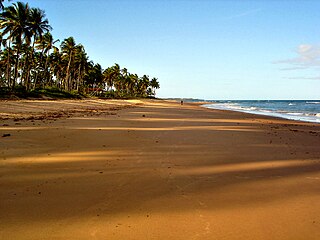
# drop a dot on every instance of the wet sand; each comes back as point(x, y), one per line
point(95, 169)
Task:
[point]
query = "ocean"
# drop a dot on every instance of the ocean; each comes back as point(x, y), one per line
point(300, 110)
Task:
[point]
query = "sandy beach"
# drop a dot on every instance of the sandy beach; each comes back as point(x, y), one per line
point(151, 169)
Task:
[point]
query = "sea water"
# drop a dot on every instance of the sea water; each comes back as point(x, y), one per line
point(301, 110)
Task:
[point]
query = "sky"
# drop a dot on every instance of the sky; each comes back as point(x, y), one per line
point(201, 49)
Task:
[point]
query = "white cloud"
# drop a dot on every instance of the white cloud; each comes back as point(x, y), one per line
point(308, 57)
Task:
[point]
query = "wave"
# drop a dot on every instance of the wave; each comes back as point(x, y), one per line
point(296, 113)
point(299, 116)
point(313, 102)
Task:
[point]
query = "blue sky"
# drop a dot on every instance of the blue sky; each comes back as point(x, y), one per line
point(201, 49)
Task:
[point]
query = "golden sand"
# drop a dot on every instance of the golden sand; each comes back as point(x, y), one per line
point(96, 169)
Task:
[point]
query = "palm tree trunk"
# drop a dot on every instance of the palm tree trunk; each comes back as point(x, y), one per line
point(78, 79)
point(68, 73)
point(9, 66)
point(29, 65)
point(16, 67)
point(45, 72)
point(37, 74)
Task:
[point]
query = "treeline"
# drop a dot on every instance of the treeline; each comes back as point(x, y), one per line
point(30, 59)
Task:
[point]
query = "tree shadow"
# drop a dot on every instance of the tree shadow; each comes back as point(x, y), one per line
point(180, 158)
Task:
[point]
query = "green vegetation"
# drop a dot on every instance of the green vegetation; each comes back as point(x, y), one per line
point(31, 65)
point(21, 92)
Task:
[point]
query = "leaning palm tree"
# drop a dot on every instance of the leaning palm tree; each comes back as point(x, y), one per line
point(69, 48)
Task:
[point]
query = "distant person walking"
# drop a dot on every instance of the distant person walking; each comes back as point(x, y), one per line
point(181, 102)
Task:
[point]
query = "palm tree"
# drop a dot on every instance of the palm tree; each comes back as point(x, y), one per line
point(111, 76)
point(143, 85)
point(107, 78)
point(134, 81)
point(119, 79)
point(126, 80)
point(124, 72)
point(45, 44)
point(25, 64)
point(6, 61)
point(68, 47)
point(81, 62)
point(56, 66)
point(154, 84)
point(26, 56)
point(38, 25)
point(14, 22)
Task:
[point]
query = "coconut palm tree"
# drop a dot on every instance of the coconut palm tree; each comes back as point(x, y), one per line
point(26, 56)
point(6, 61)
point(14, 23)
point(111, 76)
point(97, 75)
point(69, 48)
point(8, 56)
point(107, 78)
point(154, 84)
point(81, 64)
point(56, 66)
point(134, 84)
point(38, 25)
point(143, 85)
point(44, 44)
point(94, 77)
point(25, 63)
point(118, 79)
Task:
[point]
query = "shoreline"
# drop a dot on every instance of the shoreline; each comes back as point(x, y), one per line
point(269, 113)
point(138, 101)
point(155, 169)
point(268, 116)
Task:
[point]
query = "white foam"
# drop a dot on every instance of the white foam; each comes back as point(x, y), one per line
point(296, 113)
point(281, 114)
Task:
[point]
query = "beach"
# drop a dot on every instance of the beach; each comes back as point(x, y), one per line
point(155, 169)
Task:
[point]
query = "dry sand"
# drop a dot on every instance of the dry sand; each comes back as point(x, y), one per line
point(98, 169)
